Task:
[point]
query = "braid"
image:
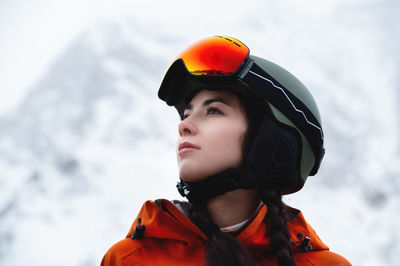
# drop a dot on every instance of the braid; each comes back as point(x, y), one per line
point(280, 239)
point(222, 248)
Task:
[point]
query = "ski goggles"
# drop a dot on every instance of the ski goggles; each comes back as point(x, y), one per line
point(221, 60)
point(215, 60)
point(215, 56)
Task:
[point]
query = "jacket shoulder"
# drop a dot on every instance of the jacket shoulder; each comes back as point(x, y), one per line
point(126, 247)
point(121, 250)
point(322, 257)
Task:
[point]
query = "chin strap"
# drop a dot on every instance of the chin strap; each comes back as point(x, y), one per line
point(216, 185)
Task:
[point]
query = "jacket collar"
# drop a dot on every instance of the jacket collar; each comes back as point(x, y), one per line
point(163, 220)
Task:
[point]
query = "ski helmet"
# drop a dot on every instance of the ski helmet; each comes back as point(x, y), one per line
point(223, 60)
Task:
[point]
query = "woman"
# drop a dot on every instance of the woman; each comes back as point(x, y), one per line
point(249, 133)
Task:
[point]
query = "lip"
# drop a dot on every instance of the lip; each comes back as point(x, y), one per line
point(187, 147)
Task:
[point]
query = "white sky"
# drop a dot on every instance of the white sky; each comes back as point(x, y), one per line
point(33, 33)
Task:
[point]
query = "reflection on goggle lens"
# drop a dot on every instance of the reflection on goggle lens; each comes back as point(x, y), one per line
point(215, 56)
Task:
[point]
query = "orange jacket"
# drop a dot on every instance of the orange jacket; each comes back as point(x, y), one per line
point(170, 238)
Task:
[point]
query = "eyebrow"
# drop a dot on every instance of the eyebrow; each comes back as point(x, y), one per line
point(207, 102)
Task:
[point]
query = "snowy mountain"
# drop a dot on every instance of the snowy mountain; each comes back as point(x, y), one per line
point(84, 133)
point(91, 141)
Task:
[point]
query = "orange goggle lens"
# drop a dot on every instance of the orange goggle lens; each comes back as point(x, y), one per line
point(216, 56)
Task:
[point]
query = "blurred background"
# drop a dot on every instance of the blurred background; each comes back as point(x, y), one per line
point(84, 140)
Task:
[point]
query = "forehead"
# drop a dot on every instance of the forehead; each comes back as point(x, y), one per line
point(203, 95)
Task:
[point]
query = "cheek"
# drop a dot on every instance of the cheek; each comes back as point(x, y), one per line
point(226, 145)
point(221, 149)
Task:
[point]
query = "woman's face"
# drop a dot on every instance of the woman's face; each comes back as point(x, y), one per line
point(211, 135)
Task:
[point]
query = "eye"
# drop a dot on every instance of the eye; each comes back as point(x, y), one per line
point(184, 116)
point(211, 110)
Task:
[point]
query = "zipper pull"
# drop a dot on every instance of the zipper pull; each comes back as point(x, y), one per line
point(139, 230)
point(304, 243)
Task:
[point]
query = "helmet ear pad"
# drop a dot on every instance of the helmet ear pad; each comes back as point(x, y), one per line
point(273, 157)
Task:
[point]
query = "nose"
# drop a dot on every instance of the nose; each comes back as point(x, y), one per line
point(186, 127)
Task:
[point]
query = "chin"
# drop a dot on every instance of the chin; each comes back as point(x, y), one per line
point(193, 175)
point(198, 173)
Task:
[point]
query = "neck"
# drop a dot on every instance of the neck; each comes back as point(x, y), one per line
point(233, 207)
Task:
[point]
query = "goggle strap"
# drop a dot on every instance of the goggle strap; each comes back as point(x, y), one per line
point(288, 104)
point(246, 69)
